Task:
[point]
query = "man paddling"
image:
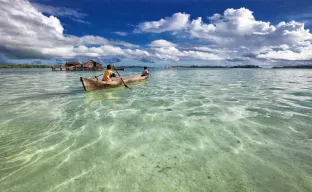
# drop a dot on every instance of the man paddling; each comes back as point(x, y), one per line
point(145, 72)
point(94, 65)
point(108, 74)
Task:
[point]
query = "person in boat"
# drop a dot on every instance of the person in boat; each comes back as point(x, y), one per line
point(94, 65)
point(145, 72)
point(108, 74)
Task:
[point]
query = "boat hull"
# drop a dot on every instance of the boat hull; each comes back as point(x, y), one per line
point(91, 84)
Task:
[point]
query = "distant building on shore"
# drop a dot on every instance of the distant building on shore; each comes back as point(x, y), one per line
point(91, 64)
point(77, 66)
point(71, 64)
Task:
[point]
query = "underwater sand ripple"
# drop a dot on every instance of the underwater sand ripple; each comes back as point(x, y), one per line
point(223, 130)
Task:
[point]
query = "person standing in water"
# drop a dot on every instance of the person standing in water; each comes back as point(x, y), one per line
point(145, 72)
point(108, 74)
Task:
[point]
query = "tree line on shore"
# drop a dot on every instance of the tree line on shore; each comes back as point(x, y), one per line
point(209, 66)
point(23, 66)
point(191, 66)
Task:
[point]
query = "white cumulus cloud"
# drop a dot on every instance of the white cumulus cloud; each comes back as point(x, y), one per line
point(26, 33)
point(236, 33)
point(174, 53)
point(234, 36)
point(161, 43)
point(177, 21)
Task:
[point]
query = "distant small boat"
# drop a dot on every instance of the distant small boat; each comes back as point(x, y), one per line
point(91, 84)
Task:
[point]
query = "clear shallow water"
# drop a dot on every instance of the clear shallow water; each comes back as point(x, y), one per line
point(182, 130)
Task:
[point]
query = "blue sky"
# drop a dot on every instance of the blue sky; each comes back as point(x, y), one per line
point(163, 31)
point(109, 16)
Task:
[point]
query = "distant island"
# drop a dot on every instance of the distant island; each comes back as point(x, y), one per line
point(207, 66)
point(2, 66)
point(131, 66)
point(296, 66)
point(50, 66)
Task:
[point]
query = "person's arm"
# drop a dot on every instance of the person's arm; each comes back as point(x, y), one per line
point(113, 74)
point(103, 76)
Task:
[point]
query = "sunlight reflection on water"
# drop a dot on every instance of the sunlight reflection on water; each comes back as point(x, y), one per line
point(183, 130)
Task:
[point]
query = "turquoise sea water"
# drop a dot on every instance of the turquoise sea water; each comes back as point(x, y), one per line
point(182, 130)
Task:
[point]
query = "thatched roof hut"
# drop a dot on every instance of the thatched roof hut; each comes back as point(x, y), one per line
point(90, 64)
point(72, 63)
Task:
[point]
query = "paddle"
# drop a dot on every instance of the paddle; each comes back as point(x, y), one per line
point(97, 76)
point(120, 77)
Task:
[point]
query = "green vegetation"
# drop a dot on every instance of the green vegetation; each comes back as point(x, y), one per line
point(196, 66)
point(245, 66)
point(23, 66)
point(170, 67)
point(132, 66)
point(296, 66)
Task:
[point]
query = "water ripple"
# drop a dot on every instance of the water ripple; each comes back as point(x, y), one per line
point(233, 130)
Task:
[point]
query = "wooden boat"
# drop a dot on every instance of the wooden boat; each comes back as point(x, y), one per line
point(92, 84)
